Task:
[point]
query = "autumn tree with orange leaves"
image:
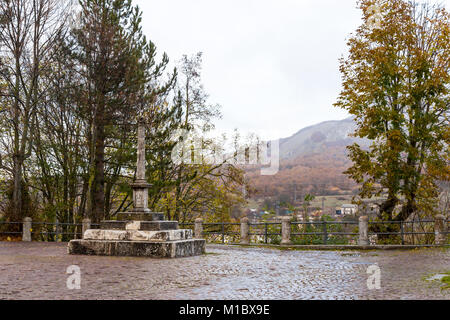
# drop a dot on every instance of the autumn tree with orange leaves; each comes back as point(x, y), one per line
point(396, 82)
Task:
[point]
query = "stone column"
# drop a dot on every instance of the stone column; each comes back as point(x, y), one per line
point(440, 238)
point(286, 230)
point(140, 186)
point(198, 229)
point(363, 231)
point(245, 238)
point(140, 172)
point(86, 225)
point(26, 231)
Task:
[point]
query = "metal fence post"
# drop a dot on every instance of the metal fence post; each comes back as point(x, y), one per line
point(325, 233)
point(198, 228)
point(265, 233)
point(286, 230)
point(223, 232)
point(402, 233)
point(86, 225)
point(440, 237)
point(245, 239)
point(363, 231)
point(57, 231)
point(26, 229)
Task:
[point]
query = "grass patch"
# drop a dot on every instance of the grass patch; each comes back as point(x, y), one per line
point(446, 281)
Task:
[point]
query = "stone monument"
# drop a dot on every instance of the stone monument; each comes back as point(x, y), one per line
point(140, 232)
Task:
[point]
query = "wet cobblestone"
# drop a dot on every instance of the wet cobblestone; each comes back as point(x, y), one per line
point(38, 271)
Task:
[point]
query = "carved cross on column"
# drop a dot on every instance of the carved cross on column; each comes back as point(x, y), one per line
point(140, 186)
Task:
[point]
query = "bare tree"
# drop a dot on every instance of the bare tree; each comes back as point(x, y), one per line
point(29, 29)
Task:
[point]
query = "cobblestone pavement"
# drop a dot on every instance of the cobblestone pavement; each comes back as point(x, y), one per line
point(38, 271)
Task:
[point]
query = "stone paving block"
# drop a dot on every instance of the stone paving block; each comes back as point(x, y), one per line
point(37, 270)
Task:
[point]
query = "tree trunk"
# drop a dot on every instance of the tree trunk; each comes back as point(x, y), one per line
point(17, 200)
point(409, 208)
point(97, 189)
point(388, 207)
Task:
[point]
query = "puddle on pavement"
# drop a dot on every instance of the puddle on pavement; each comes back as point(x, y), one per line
point(351, 255)
point(362, 263)
point(437, 277)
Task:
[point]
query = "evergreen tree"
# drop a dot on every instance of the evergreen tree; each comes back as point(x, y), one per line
point(120, 80)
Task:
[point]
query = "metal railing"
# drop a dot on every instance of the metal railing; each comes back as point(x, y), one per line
point(270, 232)
point(303, 233)
point(323, 232)
point(217, 232)
point(266, 232)
point(46, 231)
point(8, 226)
point(404, 232)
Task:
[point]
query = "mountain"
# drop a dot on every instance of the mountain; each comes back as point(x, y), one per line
point(311, 161)
point(320, 138)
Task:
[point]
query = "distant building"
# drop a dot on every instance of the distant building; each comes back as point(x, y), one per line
point(349, 209)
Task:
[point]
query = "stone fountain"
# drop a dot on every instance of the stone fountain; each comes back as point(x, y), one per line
point(140, 232)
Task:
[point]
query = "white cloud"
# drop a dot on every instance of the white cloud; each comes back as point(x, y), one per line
point(272, 65)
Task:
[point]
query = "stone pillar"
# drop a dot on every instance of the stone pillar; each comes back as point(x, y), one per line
point(86, 225)
point(245, 238)
point(26, 231)
point(140, 186)
point(440, 238)
point(286, 230)
point(363, 231)
point(198, 229)
point(140, 171)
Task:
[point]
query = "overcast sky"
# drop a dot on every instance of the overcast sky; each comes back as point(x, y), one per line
point(271, 64)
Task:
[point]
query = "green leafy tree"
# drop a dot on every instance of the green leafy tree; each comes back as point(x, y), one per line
point(204, 188)
point(396, 83)
point(306, 203)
